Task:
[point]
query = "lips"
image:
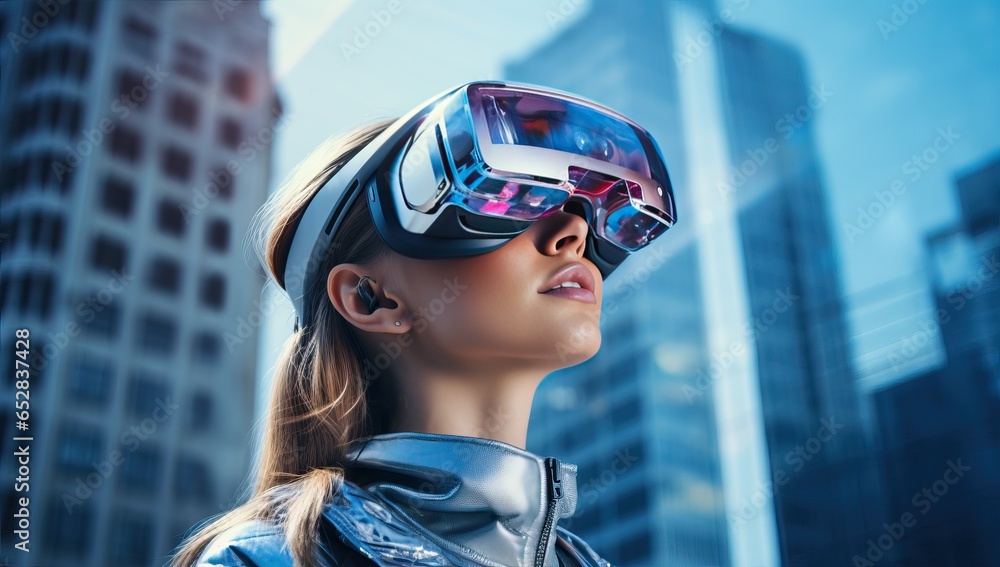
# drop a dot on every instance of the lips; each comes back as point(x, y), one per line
point(565, 281)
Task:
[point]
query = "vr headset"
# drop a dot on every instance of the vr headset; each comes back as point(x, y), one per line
point(470, 169)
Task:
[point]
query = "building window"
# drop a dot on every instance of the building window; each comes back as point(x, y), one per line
point(585, 522)
point(8, 232)
point(107, 253)
point(626, 412)
point(230, 133)
point(81, 63)
point(7, 228)
point(21, 174)
point(192, 480)
point(78, 447)
point(74, 119)
point(90, 379)
point(65, 180)
point(69, 533)
point(118, 196)
point(42, 302)
point(200, 418)
point(141, 470)
point(65, 116)
point(12, 350)
point(222, 178)
point(98, 318)
point(35, 222)
point(132, 93)
point(636, 549)
point(139, 36)
point(633, 503)
point(126, 143)
point(170, 219)
point(50, 111)
point(165, 275)
point(213, 291)
point(18, 128)
point(177, 163)
point(581, 435)
point(637, 449)
point(59, 58)
point(146, 394)
point(29, 68)
point(130, 538)
point(36, 291)
point(218, 234)
point(190, 61)
point(8, 175)
point(238, 84)
point(182, 109)
point(206, 347)
point(85, 14)
point(157, 333)
point(48, 173)
point(25, 119)
point(57, 228)
point(25, 286)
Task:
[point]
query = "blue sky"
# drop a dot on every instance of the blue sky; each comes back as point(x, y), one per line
point(892, 93)
point(893, 90)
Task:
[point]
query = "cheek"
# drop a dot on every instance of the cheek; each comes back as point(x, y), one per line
point(492, 290)
point(475, 301)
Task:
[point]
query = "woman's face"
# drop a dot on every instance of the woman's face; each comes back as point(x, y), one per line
point(496, 309)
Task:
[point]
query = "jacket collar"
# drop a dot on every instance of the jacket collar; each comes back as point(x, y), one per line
point(483, 500)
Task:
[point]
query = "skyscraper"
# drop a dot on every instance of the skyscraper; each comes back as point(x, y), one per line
point(744, 395)
point(940, 429)
point(136, 148)
point(815, 435)
point(645, 444)
point(963, 264)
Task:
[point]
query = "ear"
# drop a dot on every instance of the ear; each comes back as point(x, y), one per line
point(342, 290)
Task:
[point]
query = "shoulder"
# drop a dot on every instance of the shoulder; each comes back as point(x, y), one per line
point(264, 544)
point(249, 544)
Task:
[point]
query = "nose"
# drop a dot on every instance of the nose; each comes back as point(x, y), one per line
point(564, 232)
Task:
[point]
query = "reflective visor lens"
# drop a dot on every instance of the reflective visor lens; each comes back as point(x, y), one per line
point(521, 154)
point(543, 122)
point(621, 216)
point(485, 190)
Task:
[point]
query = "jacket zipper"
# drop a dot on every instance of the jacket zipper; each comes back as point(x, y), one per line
point(554, 491)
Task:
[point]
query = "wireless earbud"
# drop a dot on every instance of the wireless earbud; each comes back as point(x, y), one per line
point(367, 294)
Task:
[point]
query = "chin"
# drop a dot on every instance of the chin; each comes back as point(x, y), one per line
point(579, 345)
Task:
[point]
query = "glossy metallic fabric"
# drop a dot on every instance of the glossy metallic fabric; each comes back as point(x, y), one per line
point(481, 502)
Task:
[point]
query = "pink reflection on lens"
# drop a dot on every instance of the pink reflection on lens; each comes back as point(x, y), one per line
point(509, 190)
point(494, 207)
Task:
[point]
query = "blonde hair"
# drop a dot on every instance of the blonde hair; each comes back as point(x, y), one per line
point(319, 400)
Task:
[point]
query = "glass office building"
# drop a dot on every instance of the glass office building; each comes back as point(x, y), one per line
point(724, 352)
point(940, 429)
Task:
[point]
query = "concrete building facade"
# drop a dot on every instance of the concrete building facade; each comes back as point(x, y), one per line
point(136, 148)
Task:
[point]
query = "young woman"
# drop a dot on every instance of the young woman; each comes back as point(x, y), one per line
point(440, 266)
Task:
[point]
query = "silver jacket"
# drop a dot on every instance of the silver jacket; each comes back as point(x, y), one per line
point(423, 500)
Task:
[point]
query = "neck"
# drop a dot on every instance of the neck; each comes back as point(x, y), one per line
point(493, 404)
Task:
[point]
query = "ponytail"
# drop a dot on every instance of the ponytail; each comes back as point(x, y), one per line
point(319, 402)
